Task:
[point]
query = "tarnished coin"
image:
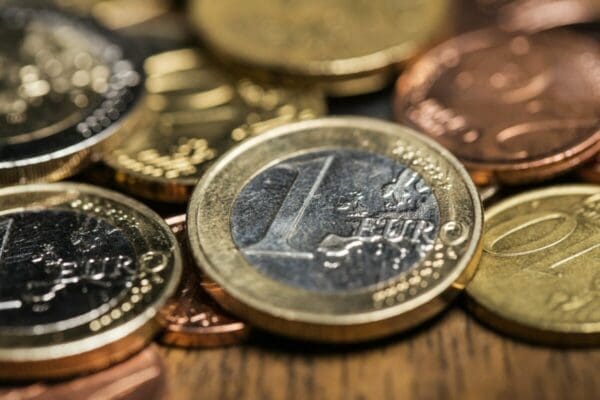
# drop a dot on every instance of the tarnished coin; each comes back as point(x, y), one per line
point(491, 97)
point(590, 172)
point(192, 318)
point(349, 47)
point(539, 276)
point(193, 114)
point(336, 229)
point(67, 89)
point(83, 272)
point(140, 377)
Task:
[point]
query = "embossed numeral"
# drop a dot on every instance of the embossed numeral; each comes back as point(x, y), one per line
point(310, 175)
point(4, 234)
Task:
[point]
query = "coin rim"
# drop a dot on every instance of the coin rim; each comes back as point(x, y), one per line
point(350, 326)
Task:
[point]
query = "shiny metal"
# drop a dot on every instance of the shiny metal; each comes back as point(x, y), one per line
point(336, 229)
point(83, 272)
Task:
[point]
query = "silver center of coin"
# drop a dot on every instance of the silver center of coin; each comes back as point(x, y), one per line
point(333, 221)
point(59, 264)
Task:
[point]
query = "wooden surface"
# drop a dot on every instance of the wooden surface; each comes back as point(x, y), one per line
point(451, 357)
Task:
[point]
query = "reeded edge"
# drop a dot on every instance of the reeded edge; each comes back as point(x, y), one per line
point(509, 172)
point(97, 350)
point(347, 327)
point(521, 329)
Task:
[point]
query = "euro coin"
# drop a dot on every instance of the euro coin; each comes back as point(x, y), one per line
point(83, 273)
point(336, 229)
point(67, 91)
point(539, 275)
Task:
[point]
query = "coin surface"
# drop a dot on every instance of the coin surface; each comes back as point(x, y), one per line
point(192, 318)
point(539, 275)
point(336, 229)
point(488, 97)
point(66, 90)
point(590, 172)
point(140, 377)
point(349, 47)
point(193, 114)
point(83, 272)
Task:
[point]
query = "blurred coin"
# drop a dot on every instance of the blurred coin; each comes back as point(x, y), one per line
point(512, 108)
point(336, 229)
point(192, 318)
point(488, 192)
point(590, 172)
point(347, 46)
point(193, 114)
point(539, 276)
point(140, 377)
point(83, 272)
point(67, 89)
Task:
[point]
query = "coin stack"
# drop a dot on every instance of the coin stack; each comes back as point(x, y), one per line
point(211, 198)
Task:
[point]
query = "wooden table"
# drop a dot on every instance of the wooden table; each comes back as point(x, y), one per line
point(451, 357)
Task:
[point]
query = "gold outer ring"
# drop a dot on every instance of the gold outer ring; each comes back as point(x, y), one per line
point(353, 316)
point(108, 346)
point(570, 334)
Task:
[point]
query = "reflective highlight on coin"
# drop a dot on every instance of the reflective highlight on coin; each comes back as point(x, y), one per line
point(341, 229)
point(194, 113)
point(67, 87)
point(512, 90)
point(192, 318)
point(83, 272)
point(539, 275)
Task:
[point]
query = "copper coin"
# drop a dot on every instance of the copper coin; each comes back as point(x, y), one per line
point(192, 318)
point(590, 172)
point(514, 108)
point(140, 377)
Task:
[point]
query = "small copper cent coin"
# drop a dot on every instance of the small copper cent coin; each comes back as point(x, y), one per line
point(336, 229)
point(513, 109)
point(192, 318)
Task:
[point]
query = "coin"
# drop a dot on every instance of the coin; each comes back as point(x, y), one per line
point(83, 272)
point(590, 172)
point(348, 47)
point(539, 276)
point(336, 229)
point(488, 96)
point(67, 90)
point(193, 114)
point(140, 377)
point(192, 318)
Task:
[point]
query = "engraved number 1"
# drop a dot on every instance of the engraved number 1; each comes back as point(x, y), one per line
point(310, 175)
point(4, 234)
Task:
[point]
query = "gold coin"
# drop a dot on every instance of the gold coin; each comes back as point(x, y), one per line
point(539, 276)
point(83, 273)
point(67, 92)
point(348, 46)
point(336, 229)
point(193, 114)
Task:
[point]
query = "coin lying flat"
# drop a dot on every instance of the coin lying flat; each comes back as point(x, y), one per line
point(539, 276)
point(83, 272)
point(488, 97)
point(67, 90)
point(192, 318)
point(336, 229)
point(140, 377)
point(193, 114)
point(348, 47)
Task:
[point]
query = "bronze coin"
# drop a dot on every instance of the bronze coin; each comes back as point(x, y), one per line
point(590, 172)
point(140, 377)
point(192, 318)
point(515, 108)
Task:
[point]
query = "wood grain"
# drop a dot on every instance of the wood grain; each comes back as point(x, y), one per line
point(452, 357)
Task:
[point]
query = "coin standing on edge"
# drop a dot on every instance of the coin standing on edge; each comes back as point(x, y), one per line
point(83, 274)
point(349, 47)
point(141, 377)
point(336, 229)
point(488, 97)
point(194, 113)
point(539, 275)
point(192, 318)
point(67, 92)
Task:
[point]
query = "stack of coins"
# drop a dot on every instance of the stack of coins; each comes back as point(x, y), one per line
point(254, 209)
